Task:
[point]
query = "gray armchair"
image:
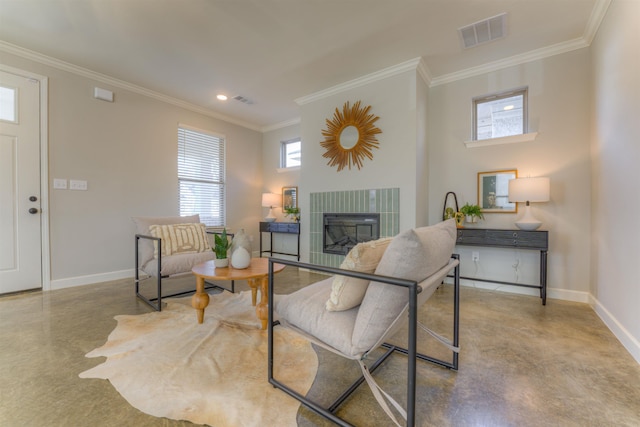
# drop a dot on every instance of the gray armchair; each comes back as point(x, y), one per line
point(410, 269)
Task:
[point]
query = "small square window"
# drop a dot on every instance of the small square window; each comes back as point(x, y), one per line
point(290, 153)
point(8, 104)
point(502, 114)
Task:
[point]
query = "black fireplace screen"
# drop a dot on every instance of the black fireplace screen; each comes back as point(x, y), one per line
point(342, 231)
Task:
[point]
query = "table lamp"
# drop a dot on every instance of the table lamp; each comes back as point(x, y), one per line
point(529, 190)
point(270, 200)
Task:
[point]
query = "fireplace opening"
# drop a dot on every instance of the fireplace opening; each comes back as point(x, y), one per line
point(342, 231)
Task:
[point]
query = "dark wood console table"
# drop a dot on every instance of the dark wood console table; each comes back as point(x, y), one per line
point(279, 227)
point(516, 239)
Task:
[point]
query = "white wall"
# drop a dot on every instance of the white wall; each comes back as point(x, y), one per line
point(559, 111)
point(394, 164)
point(616, 156)
point(126, 150)
point(274, 180)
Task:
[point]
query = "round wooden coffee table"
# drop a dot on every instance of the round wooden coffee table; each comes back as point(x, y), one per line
point(256, 275)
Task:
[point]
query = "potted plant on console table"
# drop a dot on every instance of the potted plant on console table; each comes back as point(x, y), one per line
point(472, 213)
point(220, 248)
point(293, 213)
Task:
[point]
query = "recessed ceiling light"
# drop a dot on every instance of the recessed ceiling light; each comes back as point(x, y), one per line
point(508, 107)
point(222, 97)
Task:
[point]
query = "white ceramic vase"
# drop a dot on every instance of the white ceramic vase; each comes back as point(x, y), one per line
point(240, 250)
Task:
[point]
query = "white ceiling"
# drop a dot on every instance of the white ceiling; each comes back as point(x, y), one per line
point(276, 51)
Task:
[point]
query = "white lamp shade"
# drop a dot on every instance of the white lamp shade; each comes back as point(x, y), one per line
point(270, 200)
point(529, 189)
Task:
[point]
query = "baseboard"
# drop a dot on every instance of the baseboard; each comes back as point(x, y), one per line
point(552, 293)
point(624, 336)
point(91, 279)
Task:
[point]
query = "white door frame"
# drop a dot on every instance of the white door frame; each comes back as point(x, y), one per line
point(44, 169)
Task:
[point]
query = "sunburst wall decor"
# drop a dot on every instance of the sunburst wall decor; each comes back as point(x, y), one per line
point(346, 153)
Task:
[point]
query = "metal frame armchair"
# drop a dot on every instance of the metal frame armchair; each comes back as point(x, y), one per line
point(162, 267)
point(355, 333)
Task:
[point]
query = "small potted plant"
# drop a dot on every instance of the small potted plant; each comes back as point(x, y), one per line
point(293, 213)
point(472, 213)
point(220, 248)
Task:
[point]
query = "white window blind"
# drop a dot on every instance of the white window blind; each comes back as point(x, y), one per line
point(201, 175)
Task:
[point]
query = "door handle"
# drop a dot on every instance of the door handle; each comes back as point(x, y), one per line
point(33, 211)
point(33, 199)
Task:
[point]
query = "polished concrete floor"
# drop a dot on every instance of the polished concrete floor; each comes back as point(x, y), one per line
point(521, 364)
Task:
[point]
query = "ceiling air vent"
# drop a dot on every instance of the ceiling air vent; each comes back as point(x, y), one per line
point(243, 99)
point(484, 31)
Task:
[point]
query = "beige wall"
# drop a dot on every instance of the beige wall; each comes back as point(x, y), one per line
point(616, 156)
point(394, 164)
point(274, 180)
point(126, 151)
point(559, 111)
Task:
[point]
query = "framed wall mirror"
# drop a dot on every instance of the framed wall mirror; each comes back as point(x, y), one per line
point(493, 191)
point(289, 197)
point(350, 137)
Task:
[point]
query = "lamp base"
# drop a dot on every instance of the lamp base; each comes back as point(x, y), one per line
point(528, 222)
point(270, 217)
point(528, 226)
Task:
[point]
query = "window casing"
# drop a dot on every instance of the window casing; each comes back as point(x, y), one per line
point(201, 175)
point(290, 153)
point(501, 114)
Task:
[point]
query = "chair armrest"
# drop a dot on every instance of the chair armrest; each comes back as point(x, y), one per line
point(351, 273)
point(159, 240)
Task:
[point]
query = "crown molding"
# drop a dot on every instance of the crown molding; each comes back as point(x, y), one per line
point(281, 125)
point(595, 19)
point(533, 55)
point(84, 72)
point(409, 65)
point(424, 72)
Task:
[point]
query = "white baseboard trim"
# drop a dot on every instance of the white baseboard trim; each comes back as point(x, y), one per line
point(554, 293)
point(624, 336)
point(91, 279)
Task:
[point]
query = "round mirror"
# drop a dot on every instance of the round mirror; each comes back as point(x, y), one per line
point(349, 137)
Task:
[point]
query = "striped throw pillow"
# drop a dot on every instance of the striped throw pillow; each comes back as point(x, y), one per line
point(180, 239)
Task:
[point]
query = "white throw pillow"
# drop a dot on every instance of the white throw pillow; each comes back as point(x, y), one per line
point(347, 292)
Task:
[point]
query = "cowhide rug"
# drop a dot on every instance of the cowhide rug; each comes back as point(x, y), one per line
point(167, 365)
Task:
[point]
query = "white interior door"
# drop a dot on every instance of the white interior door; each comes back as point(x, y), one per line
point(20, 193)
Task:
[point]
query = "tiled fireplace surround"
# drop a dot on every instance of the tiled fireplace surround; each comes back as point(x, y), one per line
point(385, 201)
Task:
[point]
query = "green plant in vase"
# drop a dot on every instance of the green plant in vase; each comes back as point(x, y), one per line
point(472, 212)
point(220, 248)
point(293, 213)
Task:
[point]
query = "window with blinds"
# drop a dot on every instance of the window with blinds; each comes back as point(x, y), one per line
point(201, 175)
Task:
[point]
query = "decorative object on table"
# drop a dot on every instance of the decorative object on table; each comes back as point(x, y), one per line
point(472, 213)
point(182, 376)
point(350, 136)
point(270, 200)
point(459, 217)
point(289, 197)
point(293, 213)
point(529, 190)
point(449, 212)
point(221, 248)
point(493, 191)
point(240, 250)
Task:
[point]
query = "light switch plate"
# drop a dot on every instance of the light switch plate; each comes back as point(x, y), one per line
point(77, 184)
point(60, 184)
